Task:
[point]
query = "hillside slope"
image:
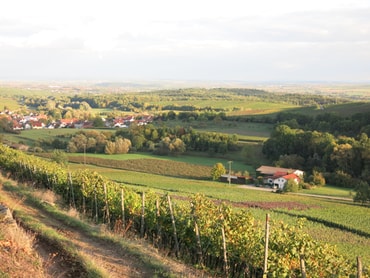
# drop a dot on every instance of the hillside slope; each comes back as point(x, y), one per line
point(99, 253)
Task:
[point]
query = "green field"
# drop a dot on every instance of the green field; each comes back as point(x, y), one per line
point(330, 191)
point(343, 110)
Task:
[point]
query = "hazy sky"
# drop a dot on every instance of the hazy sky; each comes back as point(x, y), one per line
point(214, 40)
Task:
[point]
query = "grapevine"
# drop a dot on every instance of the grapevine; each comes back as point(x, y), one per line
point(201, 232)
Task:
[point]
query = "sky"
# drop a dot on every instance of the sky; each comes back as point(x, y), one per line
point(192, 40)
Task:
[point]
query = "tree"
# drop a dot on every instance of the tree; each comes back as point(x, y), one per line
point(98, 122)
point(123, 145)
point(59, 157)
point(138, 141)
point(217, 171)
point(317, 178)
point(290, 161)
point(177, 146)
point(291, 186)
point(362, 192)
point(110, 148)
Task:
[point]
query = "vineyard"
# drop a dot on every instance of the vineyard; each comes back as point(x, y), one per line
point(197, 230)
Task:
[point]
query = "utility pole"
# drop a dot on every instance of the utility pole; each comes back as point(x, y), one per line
point(229, 171)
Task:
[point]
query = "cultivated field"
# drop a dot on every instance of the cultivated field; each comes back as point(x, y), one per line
point(338, 222)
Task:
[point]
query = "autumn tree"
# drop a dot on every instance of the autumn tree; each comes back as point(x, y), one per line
point(217, 171)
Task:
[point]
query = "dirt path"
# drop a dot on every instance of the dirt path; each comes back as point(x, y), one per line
point(112, 259)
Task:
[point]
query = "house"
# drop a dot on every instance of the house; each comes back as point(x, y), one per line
point(37, 125)
point(63, 123)
point(270, 171)
point(120, 125)
point(17, 126)
point(281, 181)
point(278, 176)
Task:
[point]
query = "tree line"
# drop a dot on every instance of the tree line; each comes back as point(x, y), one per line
point(159, 140)
point(151, 101)
point(345, 161)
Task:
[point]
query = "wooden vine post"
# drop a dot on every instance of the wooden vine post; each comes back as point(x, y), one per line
point(123, 208)
point(96, 204)
point(224, 247)
point(142, 214)
point(106, 204)
point(177, 249)
point(267, 234)
point(359, 267)
point(197, 235)
point(159, 229)
point(83, 199)
point(225, 251)
point(72, 192)
point(303, 266)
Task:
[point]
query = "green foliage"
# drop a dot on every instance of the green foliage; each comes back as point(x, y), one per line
point(119, 146)
point(244, 234)
point(59, 157)
point(287, 243)
point(88, 141)
point(217, 171)
point(173, 146)
point(362, 192)
point(292, 161)
point(98, 122)
point(318, 178)
point(343, 159)
point(178, 140)
point(291, 186)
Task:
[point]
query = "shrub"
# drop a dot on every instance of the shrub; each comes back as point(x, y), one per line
point(217, 170)
point(291, 186)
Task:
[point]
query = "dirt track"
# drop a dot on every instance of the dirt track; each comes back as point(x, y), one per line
point(112, 259)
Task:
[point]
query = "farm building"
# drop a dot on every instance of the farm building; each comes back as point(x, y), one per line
point(279, 182)
point(233, 179)
point(270, 171)
point(277, 176)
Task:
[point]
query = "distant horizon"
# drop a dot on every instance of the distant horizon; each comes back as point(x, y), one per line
point(183, 82)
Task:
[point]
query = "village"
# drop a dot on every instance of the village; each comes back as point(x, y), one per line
point(17, 122)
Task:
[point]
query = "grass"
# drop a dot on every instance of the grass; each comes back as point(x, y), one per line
point(34, 137)
point(47, 202)
point(343, 110)
point(9, 102)
point(17, 253)
point(245, 130)
point(31, 136)
point(326, 217)
point(202, 160)
point(50, 235)
point(235, 105)
point(330, 191)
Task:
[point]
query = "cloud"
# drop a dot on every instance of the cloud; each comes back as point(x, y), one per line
point(285, 39)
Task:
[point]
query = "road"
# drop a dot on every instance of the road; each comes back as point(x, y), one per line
point(268, 189)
